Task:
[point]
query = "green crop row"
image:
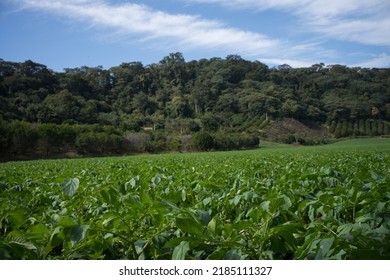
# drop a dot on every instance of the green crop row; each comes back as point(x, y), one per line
point(302, 203)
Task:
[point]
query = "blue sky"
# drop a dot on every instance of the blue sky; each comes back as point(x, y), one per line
point(73, 33)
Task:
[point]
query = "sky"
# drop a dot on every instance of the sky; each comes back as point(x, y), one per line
point(73, 33)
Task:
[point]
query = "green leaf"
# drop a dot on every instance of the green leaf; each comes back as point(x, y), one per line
point(145, 197)
point(286, 204)
point(108, 221)
point(218, 254)
point(70, 186)
point(265, 205)
point(133, 182)
point(56, 235)
point(213, 224)
point(22, 247)
point(204, 215)
point(139, 246)
point(235, 200)
point(78, 233)
point(105, 195)
point(176, 241)
point(287, 231)
point(189, 224)
point(133, 200)
point(16, 244)
point(183, 195)
point(281, 202)
point(377, 177)
point(179, 253)
point(113, 195)
point(18, 217)
point(157, 179)
point(324, 251)
point(206, 201)
point(251, 196)
point(38, 231)
point(21, 242)
point(65, 221)
point(170, 204)
point(233, 254)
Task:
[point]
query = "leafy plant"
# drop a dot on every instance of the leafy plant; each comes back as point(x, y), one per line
point(331, 202)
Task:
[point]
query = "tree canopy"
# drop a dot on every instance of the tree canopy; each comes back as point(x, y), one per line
point(232, 95)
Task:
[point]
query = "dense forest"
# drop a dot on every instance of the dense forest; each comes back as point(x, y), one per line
point(175, 105)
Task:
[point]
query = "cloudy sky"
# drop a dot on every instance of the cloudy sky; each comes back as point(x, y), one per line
point(73, 33)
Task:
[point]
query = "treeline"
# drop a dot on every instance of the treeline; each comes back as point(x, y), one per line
point(175, 98)
point(23, 140)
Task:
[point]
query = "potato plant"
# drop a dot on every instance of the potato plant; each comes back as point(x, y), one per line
point(330, 202)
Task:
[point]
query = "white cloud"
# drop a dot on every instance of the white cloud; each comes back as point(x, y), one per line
point(377, 61)
point(187, 31)
point(255, 4)
point(140, 23)
point(292, 62)
point(361, 21)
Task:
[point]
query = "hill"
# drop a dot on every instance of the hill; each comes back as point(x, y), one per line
point(291, 131)
point(160, 107)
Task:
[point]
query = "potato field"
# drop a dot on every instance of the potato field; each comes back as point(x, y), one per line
point(324, 202)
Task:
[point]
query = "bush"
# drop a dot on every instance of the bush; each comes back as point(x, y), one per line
point(53, 137)
point(231, 141)
point(224, 141)
point(99, 143)
point(202, 141)
point(173, 143)
point(23, 136)
point(137, 142)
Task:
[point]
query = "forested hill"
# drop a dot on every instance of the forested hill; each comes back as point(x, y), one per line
point(176, 97)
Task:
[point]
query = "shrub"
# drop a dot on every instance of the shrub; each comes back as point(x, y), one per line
point(202, 141)
point(231, 141)
point(99, 143)
point(136, 142)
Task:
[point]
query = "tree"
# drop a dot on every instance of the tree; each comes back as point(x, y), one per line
point(64, 107)
point(173, 68)
point(202, 141)
point(210, 122)
point(227, 97)
point(180, 108)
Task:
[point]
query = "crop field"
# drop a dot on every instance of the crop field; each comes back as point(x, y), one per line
point(324, 202)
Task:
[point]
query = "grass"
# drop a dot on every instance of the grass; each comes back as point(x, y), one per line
point(348, 144)
point(363, 143)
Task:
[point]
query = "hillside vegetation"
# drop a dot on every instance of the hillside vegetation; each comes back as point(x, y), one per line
point(228, 103)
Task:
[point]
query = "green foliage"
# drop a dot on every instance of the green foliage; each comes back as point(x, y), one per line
point(235, 141)
point(219, 94)
point(132, 108)
point(181, 250)
point(99, 143)
point(70, 186)
point(202, 141)
point(328, 202)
